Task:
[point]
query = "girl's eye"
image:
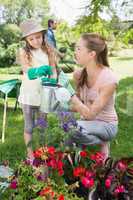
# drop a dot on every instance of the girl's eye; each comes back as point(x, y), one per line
point(38, 37)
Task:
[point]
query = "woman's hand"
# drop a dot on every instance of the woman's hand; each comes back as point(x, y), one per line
point(91, 111)
point(78, 106)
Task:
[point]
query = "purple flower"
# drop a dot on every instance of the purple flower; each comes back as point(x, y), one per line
point(41, 178)
point(80, 129)
point(27, 162)
point(41, 123)
point(36, 162)
point(67, 120)
point(66, 127)
point(74, 122)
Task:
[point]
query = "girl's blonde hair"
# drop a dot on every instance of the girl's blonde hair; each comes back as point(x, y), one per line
point(45, 47)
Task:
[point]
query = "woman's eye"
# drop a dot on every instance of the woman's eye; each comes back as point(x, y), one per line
point(78, 48)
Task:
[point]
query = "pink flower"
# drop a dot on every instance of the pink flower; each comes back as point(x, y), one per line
point(122, 166)
point(110, 177)
point(119, 189)
point(87, 182)
point(107, 183)
point(13, 184)
point(89, 174)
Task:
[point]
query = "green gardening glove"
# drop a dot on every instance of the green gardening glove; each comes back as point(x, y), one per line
point(50, 81)
point(63, 80)
point(43, 70)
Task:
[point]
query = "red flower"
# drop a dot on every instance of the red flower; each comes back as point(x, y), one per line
point(60, 155)
point(87, 182)
point(83, 154)
point(79, 171)
point(52, 163)
point(13, 184)
point(61, 197)
point(60, 172)
point(60, 164)
point(51, 150)
point(98, 158)
point(38, 153)
point(47, 191)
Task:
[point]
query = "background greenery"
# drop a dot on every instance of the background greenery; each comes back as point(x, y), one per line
point(118, 32)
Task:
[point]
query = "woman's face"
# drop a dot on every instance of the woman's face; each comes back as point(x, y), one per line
point(82, 54)
point(35, 40)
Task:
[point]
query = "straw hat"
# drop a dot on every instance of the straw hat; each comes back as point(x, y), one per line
point(29, 27)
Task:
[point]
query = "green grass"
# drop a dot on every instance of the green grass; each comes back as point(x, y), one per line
point(122, 66)
point(123, 145)
point(10, 70)
point(14, 149)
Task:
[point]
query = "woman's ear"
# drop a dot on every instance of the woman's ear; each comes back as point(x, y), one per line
point(92, 54)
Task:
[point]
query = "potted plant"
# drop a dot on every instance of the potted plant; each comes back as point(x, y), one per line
point(114, 180)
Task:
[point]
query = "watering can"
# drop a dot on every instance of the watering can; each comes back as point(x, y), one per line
point(54, 98)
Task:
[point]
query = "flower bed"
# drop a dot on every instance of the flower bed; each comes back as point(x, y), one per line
point(64, 173)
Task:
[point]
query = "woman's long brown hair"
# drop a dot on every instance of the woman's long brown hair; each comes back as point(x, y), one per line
point(95, 43)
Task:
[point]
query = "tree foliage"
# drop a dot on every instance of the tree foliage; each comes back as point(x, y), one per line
point(85, 25)
point(94, 7)
point(16, 11)
point(9, 34)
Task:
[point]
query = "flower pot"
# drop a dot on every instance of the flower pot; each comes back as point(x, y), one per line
point(92, 195)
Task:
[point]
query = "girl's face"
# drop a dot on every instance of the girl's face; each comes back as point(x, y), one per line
point(83, 55)
point(35, 40)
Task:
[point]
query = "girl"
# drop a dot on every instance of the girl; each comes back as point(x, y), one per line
point(96, 86)
point(35, 59)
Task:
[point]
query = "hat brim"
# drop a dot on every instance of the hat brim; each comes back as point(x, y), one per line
point(32, 32)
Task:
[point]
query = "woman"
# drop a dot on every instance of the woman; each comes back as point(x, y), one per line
point(96, 86)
